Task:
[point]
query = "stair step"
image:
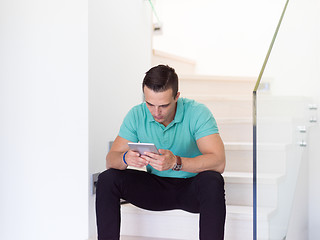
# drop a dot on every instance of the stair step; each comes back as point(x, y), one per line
point(225, 106)
point(178, 224)
point(239, 222)
point(235, 129)
point(238, 146)
point(247, 177)
point(213, 85)
point(239, 188)
point(270, 157)
point(181, 65)
point(239, 156)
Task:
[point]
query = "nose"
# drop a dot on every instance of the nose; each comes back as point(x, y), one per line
point(157, 111)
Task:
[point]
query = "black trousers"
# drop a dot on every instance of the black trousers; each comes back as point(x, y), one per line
point(202, 194)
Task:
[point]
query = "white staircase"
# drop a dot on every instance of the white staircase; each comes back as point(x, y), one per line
point(230, 100)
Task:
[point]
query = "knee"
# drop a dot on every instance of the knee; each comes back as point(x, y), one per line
point(108, 177)
point(211, 176)
point(210, 182)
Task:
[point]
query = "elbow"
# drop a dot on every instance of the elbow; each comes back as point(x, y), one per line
point(221, 167)
point(218, 167)
point(218, 164)
point(108, 164)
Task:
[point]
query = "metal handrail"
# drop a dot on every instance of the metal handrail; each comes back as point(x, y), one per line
point(270, 48)
point(154, 12)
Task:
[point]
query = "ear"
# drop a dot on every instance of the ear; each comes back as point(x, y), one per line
point(177, 96)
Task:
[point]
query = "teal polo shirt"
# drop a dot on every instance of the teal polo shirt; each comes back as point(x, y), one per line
point(192, 121)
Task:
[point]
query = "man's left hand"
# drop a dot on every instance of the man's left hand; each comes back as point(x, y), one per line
point(162, 162)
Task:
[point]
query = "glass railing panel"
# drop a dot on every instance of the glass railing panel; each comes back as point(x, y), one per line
point(281, 119)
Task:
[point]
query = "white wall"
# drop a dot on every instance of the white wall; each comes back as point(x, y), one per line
point(295, 59)
point(224, 37)
point(119, 56)
point(44, 120)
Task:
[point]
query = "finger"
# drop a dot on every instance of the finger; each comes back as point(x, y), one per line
point(143, 162)
point(151, 155)
point(147, 158)
point(134, 153)
point(140, 164)
point(135, 160)
point(155, 165)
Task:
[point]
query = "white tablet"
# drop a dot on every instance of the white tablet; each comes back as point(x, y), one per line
point(143, 147)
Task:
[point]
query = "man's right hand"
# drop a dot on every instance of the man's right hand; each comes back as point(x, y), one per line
point(133, 159)
point(115, 156)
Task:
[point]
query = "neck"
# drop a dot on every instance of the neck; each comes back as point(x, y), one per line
point(166, 123)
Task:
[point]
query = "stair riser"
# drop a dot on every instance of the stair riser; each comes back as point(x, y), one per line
point(228, 109)
point(205, 87)
point(269, 161)
point(183, 227)
point(186, 227)
point(232, 108)
point(180, 64)
point(160, 225)
point(239, 161)
point(281, 132)
point(242, 194)
point(239, 230)
point(235, 132)
point(242, 229)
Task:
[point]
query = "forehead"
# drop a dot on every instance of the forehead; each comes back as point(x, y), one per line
point(158, 98)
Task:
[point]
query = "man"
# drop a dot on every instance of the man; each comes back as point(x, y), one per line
point(185, 175)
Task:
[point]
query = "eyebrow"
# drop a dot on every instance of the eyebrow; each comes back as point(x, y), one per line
point(164, 105)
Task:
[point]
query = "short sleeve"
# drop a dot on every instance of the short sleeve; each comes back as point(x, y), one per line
point(204, 122)
point(128, 127)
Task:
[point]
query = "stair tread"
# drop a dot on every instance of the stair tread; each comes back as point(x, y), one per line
point(232, 210)
point(235, 210)
point(224, 97)
point(238, 145)
point(234, 120)
point(229, 145)
point(247, 177)
point(174, 57)
point(196, 77)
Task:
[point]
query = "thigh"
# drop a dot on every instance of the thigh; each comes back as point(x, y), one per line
point(146, 190)
point(206, 187)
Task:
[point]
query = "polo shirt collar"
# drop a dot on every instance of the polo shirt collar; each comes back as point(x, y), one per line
point(149, 116)
point(179, 113)
point(177, 118)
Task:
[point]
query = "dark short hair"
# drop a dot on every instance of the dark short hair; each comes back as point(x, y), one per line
point(161, 78)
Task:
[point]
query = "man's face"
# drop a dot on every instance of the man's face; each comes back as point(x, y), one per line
point(162, 105)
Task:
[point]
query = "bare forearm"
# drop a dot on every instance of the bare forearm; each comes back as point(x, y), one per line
point(206, 162)
point(114, 160)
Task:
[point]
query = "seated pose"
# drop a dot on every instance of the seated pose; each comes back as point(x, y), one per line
point(185, 175)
